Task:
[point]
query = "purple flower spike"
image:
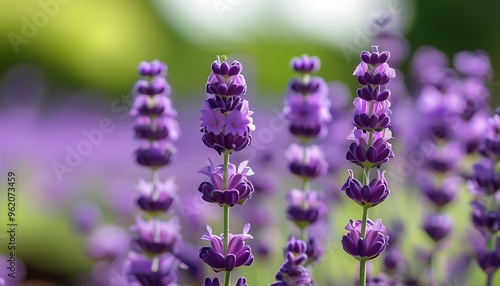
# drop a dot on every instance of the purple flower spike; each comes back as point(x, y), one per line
point(157, 236)
point(226, 120)
point(311, 165)
point(156, 197)
point(305, 64)
point(305, 208)
point(369, 195)
point(239, 188)
point(139, 270)
point(438, 226)
point(367, 248)
point(238, 253)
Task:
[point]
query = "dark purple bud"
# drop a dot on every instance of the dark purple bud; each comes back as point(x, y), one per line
point(305, 64)
point(154, 157)
point(305, 208)
point(370, 195)
point(438, 226)
point(154, 68)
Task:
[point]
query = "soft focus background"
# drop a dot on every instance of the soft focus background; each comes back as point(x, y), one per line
point(66, 66)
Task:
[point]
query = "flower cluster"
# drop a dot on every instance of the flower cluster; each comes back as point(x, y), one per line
point(152, 260)
point(370, 148)
point(484, 184)
point(307, 112)
point(238, 188)
point(237, 254)
point(226, 124)
point(226, 120)
point(368, 247)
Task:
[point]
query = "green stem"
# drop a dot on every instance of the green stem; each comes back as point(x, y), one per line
point(362, 263)
point(362, 272)
point(226, 215)
point(365, 218)
point(489, 281)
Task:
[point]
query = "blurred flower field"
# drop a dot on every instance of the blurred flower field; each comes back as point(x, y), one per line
point(167, 143)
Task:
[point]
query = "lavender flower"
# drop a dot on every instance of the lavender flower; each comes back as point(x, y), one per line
point(139, 269)
point(151, 261)
point(307, 110)
point(440, 194)
point(238, 253)
point(438, 226)
point(368, 247)
point(367, 155)
point(305, 208)
point(292, 271)
point(157, 236)
point(226, 119)
point(484, 220)
point(484, 185)
point(238, 190)
point(370, 195)
point(155, 197)
point(370, 148)
point(311, 165)
point(226, 125)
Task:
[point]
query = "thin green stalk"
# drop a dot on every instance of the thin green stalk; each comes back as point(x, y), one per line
point(362, 263)
point(489, 280)
point(363, 225)
point(362, 272)
point(226, 215)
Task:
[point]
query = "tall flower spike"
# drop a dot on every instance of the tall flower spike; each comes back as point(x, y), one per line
point(152, 260)
point(307, 110)
point(226, 124)
point(369, 148)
